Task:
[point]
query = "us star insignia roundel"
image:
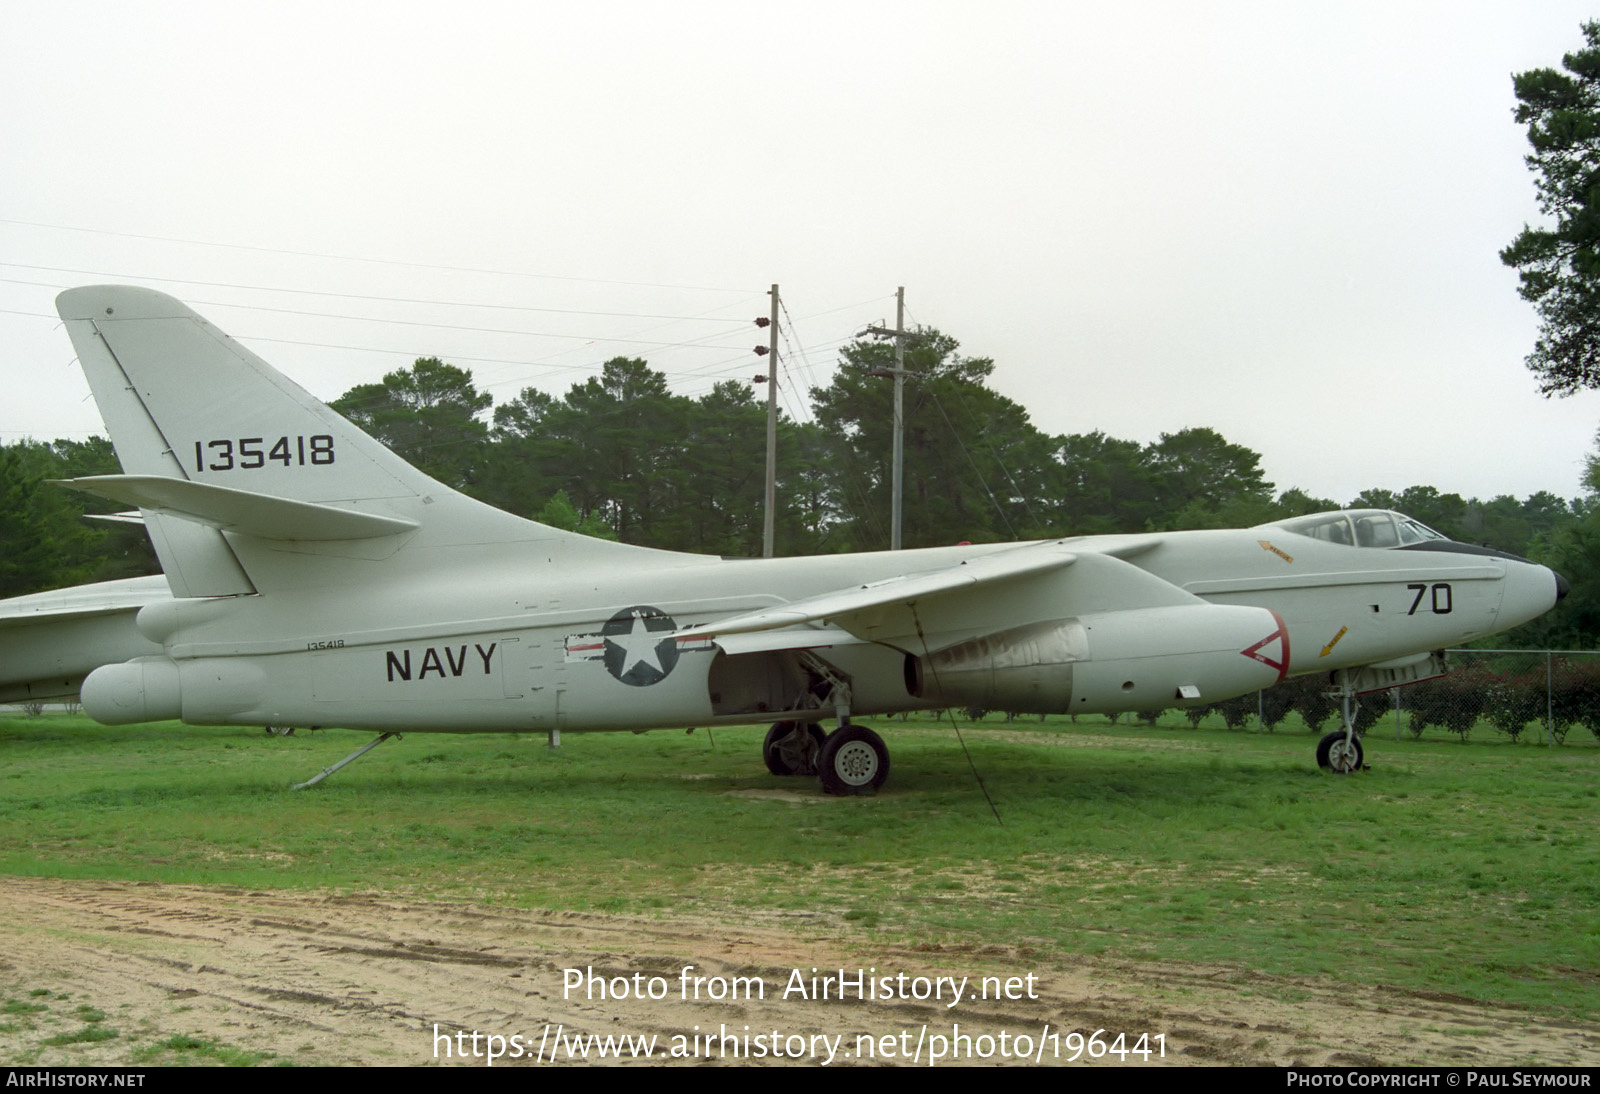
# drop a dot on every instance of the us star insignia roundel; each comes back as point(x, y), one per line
point(638, 651)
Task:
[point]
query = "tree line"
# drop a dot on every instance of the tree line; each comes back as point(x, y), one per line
point(621, 456)
point(647, 466)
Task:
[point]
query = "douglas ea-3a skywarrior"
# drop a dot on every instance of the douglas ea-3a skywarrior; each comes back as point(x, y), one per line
point(313, 578)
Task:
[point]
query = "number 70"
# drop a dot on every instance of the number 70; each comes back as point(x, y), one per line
point(1441, 602)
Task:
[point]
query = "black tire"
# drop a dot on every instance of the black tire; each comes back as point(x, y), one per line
point(854, 761)
point(1334, 756)
point(792, 748)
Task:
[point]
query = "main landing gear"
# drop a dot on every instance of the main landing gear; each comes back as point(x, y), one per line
point(850, 760)
point(854, 760)
point(792, 748)
point(1340, 751)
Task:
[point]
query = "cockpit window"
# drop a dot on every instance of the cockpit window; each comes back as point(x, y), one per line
point(1376, 530)
point(1415, 532)
point(1362, 528)
point(1330, 527)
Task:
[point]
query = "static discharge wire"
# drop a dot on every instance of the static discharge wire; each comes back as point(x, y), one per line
point(927, 659)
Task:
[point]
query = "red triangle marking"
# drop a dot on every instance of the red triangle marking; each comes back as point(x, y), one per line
point(1279, 635)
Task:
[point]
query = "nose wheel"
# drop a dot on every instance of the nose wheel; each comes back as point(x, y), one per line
point(1339, 752)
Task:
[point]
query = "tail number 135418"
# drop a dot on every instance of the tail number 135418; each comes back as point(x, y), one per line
point(252, 453)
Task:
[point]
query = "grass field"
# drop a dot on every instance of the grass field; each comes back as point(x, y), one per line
point(1464, 868)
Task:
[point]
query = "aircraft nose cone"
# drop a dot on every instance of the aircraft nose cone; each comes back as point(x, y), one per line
point(1562, 588)
point(1528, 591)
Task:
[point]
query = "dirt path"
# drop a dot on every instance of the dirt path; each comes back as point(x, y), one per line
point(322, 979)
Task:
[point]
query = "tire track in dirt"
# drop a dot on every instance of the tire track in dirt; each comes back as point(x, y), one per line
point(366, 978)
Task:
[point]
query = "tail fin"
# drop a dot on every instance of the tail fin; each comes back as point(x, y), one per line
point(183, 401)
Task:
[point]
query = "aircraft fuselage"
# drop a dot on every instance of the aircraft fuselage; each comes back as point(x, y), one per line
point(521, 648)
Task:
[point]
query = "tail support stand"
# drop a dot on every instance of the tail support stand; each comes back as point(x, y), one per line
point(356, 755)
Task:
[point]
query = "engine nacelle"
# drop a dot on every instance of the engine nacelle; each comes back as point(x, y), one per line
point(154, 689)
point(1139, 659)
point(145, 690)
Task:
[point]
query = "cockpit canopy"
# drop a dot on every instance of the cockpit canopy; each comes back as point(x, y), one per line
point(1362, 528)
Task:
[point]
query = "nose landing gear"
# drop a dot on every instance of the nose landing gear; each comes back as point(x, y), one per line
point(1340, 751)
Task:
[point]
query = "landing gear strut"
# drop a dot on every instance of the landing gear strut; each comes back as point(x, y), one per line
point(1340, 751)
point(853, 759)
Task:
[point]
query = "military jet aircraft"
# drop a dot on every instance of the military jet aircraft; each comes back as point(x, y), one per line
point(313, 578)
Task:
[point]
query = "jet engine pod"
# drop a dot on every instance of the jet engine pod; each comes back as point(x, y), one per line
point(143, 690)
point(1023, 669)
point(1139, 659)
point(207, 691)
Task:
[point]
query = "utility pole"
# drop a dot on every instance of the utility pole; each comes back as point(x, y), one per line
point(897, 489)
point(768, 524)
point(898, 492)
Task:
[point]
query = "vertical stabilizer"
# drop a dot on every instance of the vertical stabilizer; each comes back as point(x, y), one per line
point(197, 560)
point(182, 400)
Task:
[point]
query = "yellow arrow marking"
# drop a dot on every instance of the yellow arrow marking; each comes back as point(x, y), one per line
point(1329, 647)
point(1274, 550)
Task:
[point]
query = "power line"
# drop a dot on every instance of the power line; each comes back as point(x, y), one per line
point(699, 343)
point(692, 374)
point(452, 358)
point(965, 451)
point(458, 326)
point(359, 258)
point(694, 343)
point(361, 296)
point(805, 359)
point(717, 368)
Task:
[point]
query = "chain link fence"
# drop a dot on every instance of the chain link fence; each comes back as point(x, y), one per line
point(1542, 693)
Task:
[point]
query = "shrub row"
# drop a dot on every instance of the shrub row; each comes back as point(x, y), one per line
point(1508, 694)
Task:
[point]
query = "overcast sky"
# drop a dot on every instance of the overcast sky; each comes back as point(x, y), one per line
point(1281, 221)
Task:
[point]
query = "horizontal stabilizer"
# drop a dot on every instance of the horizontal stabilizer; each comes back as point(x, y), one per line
point(232, 510)
point(127, 594)
point(50, 641)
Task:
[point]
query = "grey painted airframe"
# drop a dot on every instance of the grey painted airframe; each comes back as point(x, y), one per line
point(313, 578)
